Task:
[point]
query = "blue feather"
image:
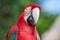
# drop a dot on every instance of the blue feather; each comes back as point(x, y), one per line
point(14, 37)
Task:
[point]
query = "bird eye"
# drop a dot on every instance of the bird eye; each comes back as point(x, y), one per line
point(28, 9)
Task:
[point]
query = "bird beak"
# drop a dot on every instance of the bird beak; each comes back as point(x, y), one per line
point(30, 20)
point(35, 14)
point(33, 18)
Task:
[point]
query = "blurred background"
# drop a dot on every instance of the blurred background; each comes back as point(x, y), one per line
point(10, 11)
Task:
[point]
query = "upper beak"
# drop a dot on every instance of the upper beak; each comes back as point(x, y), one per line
point(33, 18)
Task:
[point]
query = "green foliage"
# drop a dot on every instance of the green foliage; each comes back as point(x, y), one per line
point(45, 21)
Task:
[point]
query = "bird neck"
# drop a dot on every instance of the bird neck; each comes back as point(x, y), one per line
point(32, 26)
point(22, 22)
point(25, 24)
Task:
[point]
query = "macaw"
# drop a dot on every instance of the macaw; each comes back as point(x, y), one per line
point(26, 26)
point(54, 32)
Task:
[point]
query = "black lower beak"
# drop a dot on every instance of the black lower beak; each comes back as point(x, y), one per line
point(30, 20)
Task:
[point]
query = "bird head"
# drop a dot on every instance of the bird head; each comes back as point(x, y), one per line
point(31, 13)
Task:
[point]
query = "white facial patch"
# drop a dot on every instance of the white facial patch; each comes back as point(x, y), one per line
point(35, 13)
point(27, 13)
point(27, 10)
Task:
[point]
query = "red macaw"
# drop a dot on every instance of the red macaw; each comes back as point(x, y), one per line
point(26, 26)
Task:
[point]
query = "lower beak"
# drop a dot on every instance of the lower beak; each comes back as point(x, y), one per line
point(30, 20)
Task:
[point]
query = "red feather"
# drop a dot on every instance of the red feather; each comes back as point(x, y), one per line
point(24, 31)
